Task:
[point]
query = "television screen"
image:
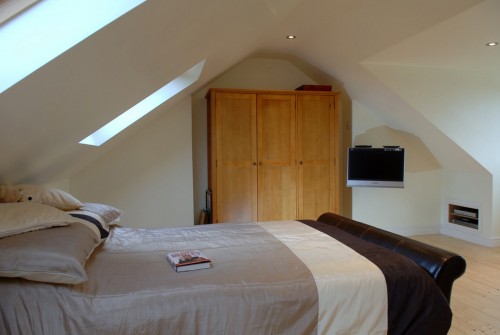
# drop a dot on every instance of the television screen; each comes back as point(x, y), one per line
point(376, 167)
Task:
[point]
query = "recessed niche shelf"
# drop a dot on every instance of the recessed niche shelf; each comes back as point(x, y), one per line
point(463, 216)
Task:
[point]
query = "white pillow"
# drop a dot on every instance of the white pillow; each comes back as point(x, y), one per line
point(49, 196)
point(22, 217)
point(111, 215)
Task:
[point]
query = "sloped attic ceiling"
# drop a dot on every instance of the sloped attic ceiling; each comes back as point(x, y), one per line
point(455, 83)
point(43, 117)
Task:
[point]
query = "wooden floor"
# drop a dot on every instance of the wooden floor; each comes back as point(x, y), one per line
point(475, 299)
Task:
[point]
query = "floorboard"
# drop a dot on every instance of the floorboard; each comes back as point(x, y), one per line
point(475, 299)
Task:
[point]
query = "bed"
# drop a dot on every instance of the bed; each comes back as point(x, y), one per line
point(329, 276)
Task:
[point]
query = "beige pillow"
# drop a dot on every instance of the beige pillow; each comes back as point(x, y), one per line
point(56, 255)
point(49, 196)
point(98, 216)
point(21, 217)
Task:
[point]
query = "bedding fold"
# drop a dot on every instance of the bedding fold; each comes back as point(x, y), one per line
point(266, 278)
point(352, 290)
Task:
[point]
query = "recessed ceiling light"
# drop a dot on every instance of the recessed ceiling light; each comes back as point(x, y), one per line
point(291, 37)
point(492, 44)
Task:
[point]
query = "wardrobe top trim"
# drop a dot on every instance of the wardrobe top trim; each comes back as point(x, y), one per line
point(251, 91)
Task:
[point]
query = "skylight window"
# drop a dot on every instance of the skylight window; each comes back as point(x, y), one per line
point(48, 28)
point(145, 106)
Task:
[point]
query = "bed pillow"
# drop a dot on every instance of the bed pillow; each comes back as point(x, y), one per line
point(100, 215)
point(49, 196)
point(22, 217)
point(55, 255)
point(109, 214)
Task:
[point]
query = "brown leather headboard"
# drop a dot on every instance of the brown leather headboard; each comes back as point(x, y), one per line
point(444, 266)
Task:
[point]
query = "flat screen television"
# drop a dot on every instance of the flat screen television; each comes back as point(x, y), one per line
point(376, 167)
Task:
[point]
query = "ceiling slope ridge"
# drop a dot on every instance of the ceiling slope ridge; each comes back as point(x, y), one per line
point(445, 99)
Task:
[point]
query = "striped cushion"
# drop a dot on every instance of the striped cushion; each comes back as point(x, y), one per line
point(100, 215)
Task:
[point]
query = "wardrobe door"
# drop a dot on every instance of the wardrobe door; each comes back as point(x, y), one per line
point(316, 152)
point(235, 197)
point(277, 172)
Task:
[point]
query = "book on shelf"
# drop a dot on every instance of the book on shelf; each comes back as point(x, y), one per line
point(466, 222)
point(465, 213)
point(188, 260)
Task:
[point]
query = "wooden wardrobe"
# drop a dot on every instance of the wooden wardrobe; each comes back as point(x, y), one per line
point(276, 155)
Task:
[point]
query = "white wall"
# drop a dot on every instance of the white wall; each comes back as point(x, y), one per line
point(495, 217)
point(422, 206)
point(159, 175)
point(148, 175)
point(473, 190)
point(468, 121)
point(414, 209)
